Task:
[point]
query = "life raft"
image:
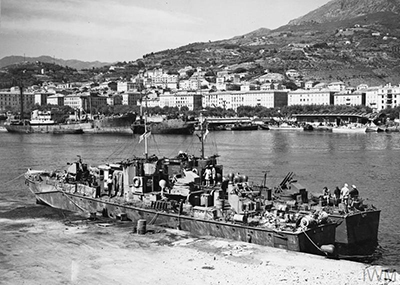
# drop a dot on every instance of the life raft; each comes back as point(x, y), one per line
point(137, 182)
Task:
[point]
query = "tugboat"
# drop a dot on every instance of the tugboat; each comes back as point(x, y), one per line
point(185, 192)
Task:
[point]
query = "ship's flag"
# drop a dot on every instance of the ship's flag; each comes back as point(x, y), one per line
point(144, 136)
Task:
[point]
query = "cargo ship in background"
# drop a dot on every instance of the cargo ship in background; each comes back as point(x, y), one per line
point(43, 122)
point(176, 126)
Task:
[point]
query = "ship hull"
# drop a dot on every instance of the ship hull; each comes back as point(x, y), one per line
point(59, 128)
point(307, 241)
point(174, 127)
point(357, 233)
point(22, 129)
point(113, 125)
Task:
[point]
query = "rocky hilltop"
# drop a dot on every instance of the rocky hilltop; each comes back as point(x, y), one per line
point(354, 41)
point(347, 9)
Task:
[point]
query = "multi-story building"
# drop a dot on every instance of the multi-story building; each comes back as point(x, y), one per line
point(85, 101)
point(11, 98)
point(41, 97)
point(388, 97)
point(56, 99)
point(235, 99)
point(311, 97)
point(350, 98)
point(371, 97)
point(114, 99)
point(131, 98)
point(337, 86)
point(159, 78)
point(192, 100)
point(125, 86)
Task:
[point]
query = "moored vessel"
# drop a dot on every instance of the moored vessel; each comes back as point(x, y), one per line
point(175, 126)
point(244, 127)
point(357, 222)
point(187, 192)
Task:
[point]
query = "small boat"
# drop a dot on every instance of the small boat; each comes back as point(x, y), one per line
point(244, 127)
point(318, 128)
point(264, 127)
point(285, 127)
point(350, 129)
point(375, 129)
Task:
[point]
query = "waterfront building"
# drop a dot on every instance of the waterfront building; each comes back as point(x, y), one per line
point(192, 100)
point(388, 96)
point(313, 96)
point(332, 118)
point(10, 98)
point(85, 101)
point(371, 97)
point(235, 99)
point(350, 98)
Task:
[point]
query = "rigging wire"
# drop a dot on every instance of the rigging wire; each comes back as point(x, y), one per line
point(14, 179)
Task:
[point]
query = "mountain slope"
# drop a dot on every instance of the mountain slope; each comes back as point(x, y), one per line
point(76, 64)
point(363, 49)
point(346, 9)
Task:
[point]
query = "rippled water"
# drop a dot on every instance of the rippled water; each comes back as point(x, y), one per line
point(371, 161)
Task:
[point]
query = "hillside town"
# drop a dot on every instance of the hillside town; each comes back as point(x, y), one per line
point(197, 89)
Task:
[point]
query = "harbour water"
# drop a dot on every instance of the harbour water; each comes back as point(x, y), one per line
point(370, 161)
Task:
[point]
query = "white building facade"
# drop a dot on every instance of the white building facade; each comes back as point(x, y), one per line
point(310, 97)
point(388, 97)
point(235, 99)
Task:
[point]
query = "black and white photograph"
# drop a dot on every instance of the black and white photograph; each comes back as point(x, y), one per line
point(199, 142)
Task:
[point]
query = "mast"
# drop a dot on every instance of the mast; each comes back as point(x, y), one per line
point(203, 130)
point(21, 99)
point(145, 127)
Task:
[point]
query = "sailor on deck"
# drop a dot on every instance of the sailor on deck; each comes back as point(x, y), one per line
point(353, 192)
point(344, 193)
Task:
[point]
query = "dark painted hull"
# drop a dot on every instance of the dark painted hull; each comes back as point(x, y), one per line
point(303, 241)
point(357, 228)
point(113, 125)
point(165, 128)
point(264, 127)
point(245, 128)
point(59, 131)
point(22, 129)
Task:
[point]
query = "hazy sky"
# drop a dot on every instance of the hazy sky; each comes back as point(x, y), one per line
point(124, 30)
